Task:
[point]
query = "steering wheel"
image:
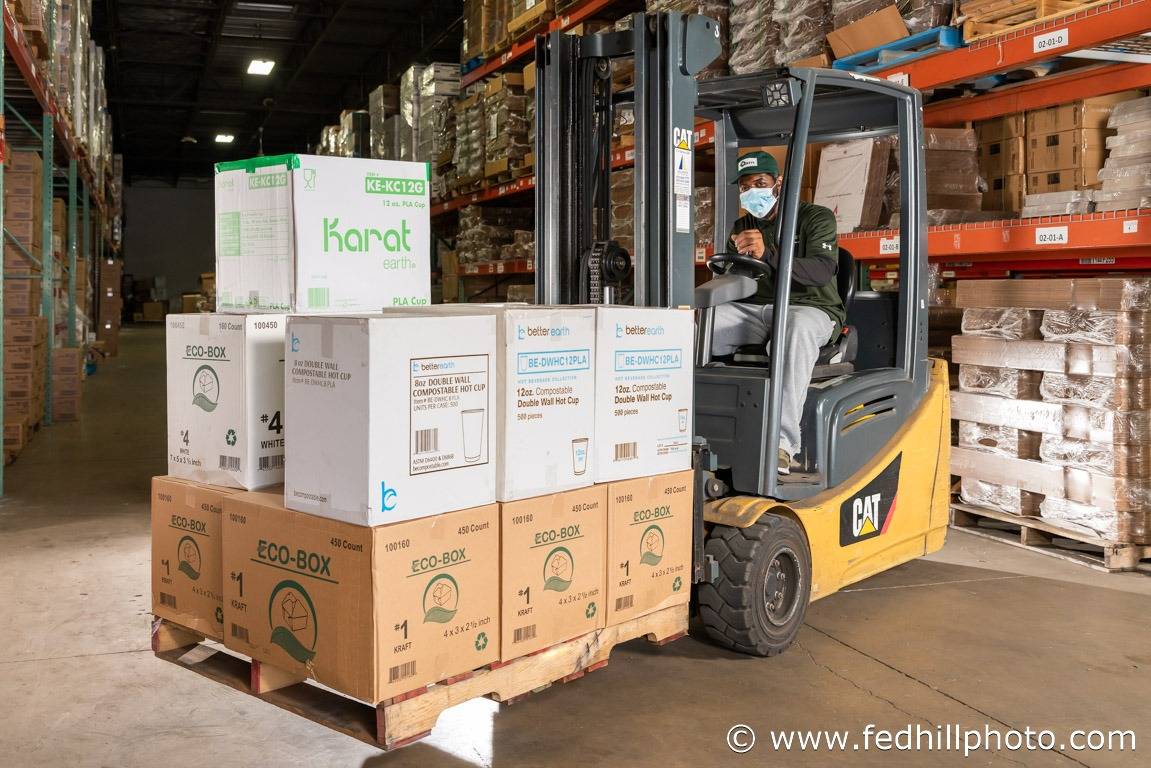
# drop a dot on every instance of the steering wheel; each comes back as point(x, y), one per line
point(724, 263)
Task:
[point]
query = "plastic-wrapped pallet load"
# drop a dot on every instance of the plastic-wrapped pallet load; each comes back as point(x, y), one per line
point(1112, 294)
point(1005, 441)
point(1058, 203)
point(409, 112)
point(1126, 174)
point(383, 102)
point(803, 28)
point(1106, 524)
point(1001, 382)
point(439, 83)
point(507, 128)
point(485, 229)
point(1121, 328)
point(1004, 497)
point(471, 137)
point(1105, 458)
point(704, 220)
point(918, 15)
point(1124, 394)
point(1005, 323)
point(623, 208)
point(754, 36)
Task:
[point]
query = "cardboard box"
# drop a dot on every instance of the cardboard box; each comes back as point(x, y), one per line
point(226, 399)
point(1058, 181)
point(1090, 113)
point(22, 208)
point(644, 386)
point(22, 357)
point(22, 297)
point(17, 431)
point(1005, 193)
point(1113, 294)
point(529, 77)
point(1003, 157)
point(25, 161)
point(23, 183)
point(552, 569)
point(392, 415)
point(1053, 356)
point(321, 234)
point(649, 537)
point(1083, 149)
point(27, 232)
point(66, 406)
point(190, 303)
point(1000, 128)
point(1075, 421)
point(876, 29)
point(851, 179)
point(25, 330)
point(67, 360)
point(821, 60)
point(154, 311)
point(371, 612)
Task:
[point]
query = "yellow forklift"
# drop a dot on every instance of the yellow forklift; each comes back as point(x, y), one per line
point(871, 490)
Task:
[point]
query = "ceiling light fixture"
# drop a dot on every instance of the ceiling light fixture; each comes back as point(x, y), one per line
point(224, 138)
point(260, 66)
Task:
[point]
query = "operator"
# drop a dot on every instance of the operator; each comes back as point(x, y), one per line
point(815, 314)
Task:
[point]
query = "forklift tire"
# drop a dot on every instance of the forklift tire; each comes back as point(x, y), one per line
point(757, 602)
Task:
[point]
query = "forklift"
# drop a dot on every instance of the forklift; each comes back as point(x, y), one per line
point(872, 488)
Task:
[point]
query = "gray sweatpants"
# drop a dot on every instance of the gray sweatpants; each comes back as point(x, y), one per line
point(808, 329)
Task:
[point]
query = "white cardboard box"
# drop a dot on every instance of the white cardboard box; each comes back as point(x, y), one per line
point(316, 234)
point(644, 392)
point(393, 415)
point(545, 396)
point(226, 399)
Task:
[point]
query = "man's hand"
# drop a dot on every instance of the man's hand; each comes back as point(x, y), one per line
point(749, 242)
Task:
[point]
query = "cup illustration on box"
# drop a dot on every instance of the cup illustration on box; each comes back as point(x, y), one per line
point(473, 426)
point(682, 419)
point(309, 179)
point(188, 552)
point(579, 455)
point(441, 599)
point(292, 617)
point(559, 568)
point(205, 388)
point(651, 545)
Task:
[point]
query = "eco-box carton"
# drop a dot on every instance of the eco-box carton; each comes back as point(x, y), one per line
point(644, 384)
point(372, 612)
point(393, 414)
point(226, 399)
point(187, 559)
point(552, 571)
point(321, 234)
point(649, 530)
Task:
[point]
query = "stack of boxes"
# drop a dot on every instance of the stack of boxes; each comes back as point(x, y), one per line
point(67, 376)
point(109, 290)
point(485, 229)
point(439, 84)
point(754, 34)
point(471, 138)
point(1052, 406)
point(1059, 149)
point(383, 103)
point(24, 360)
point(23, 221)
point(1126, 175)
point(539, 489)
point(507, 128)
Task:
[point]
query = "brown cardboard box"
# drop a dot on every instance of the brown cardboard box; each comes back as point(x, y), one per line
point(529, 77)
point(504, 81)
point(873, 30)
point(552, 565)
point(371, 612)
point(1083, 149)
point(23, 183)
point(154, 311)
point(821, 60)
point(66, 406)
point(22, 357)
point(1004, 157)
point(1058, 181)
point(17, 262)
point(22, 208)
point(25, 330)
point(16, 433)
point(67, 360)
point(24, 161)
point(24, 385)
point(1053, 356)
point(649, 534)
point(33, 408)
point(190, 303)
point(999, 128)
point(22, 297)
point(1085, 113)
point(187, 557)
point(26, 231)
point(1005, 193)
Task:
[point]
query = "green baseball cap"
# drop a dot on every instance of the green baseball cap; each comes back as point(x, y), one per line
point(756, 162)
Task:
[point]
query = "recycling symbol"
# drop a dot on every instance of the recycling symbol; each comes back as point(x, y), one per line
point(481, 641)
point(230, 438)
point(675, 585)
point(590, 611)
point(219, 615)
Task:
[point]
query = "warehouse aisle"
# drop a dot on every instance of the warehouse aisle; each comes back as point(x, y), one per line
point(979, 634)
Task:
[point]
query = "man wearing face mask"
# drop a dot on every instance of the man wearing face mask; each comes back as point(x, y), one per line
point(815, 314)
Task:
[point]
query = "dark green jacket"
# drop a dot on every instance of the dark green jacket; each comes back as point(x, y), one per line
point(814, 266)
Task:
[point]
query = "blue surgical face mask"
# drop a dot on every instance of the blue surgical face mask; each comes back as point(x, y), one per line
point(758, 202)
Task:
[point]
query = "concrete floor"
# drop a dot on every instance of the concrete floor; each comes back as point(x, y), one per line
point(981, 634)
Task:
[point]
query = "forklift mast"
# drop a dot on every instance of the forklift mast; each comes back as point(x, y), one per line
point(576, 261)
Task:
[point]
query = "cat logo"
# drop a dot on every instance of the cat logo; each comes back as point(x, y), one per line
point(869, 513)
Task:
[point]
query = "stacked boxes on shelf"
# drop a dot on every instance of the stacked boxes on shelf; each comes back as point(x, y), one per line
point(67, 376)
point(24, 361)
point(754, 35)
point(471, 139)
point(1126, 175)
point(1053, 408)
point(485, 229)
point(23, 222)
point(383, 104)
point(439, 84)
point(507, 128)
point(111, 305)
point(1002, 161)
point(623, 208)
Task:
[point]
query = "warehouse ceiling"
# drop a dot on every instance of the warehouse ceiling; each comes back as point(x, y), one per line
point(176, 72)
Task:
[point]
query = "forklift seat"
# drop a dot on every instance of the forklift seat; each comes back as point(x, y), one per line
point(836, 357)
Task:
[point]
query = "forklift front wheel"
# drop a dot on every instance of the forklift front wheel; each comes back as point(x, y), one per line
point(757, 602)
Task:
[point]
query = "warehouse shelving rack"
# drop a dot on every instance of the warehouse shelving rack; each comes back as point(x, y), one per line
point(34, 120)
point(1091, 242)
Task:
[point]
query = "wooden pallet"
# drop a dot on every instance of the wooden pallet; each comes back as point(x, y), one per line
point(984, 18)
point(1045, 537)
point(531, 19)
point(409, 718)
